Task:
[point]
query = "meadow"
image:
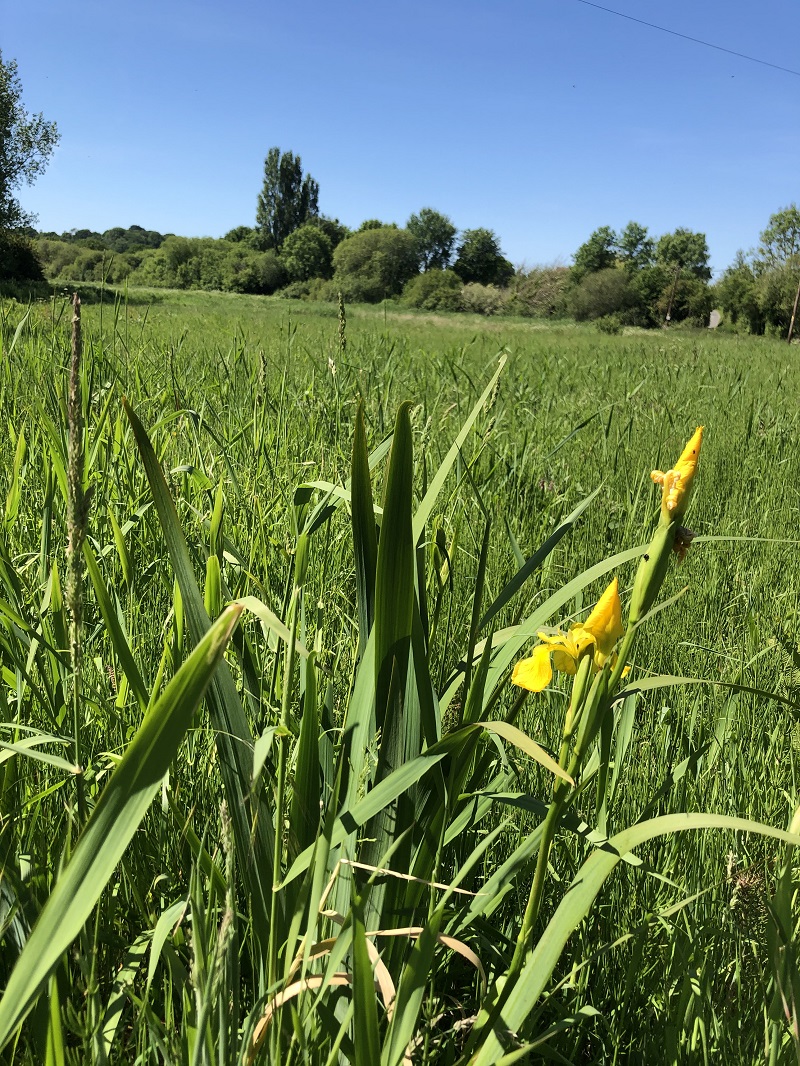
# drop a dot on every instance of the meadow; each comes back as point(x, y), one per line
point(306, 827)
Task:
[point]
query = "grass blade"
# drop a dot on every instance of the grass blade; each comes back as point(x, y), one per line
point(113, 822)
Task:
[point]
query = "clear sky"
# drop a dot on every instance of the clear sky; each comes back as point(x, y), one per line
point(539, 119)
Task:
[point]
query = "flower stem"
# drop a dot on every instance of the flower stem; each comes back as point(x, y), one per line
point(560, 793)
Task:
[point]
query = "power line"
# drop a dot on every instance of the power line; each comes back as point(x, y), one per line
point(694, 40)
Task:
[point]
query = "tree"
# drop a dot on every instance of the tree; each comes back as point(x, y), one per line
point(287, 198)
point(240, 235)
point(780, 241)
point(686, 250)
point(375, 263)
point(737, 294)
point(480, 259)
point(435, 235)
point(333, 229)
point(596, 254)
point(635, 249)
point(26, 144)
point(307, 254)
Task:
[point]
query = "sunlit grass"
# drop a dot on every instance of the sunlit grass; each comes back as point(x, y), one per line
point(251, 408)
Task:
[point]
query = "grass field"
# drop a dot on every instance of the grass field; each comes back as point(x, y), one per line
point(207, 909)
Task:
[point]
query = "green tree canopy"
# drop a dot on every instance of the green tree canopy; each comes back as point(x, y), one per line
point(737, 294)
point(240, 234)
point(635, 249)
point(307, 253)
point(480, 259)
point(333, 229)
point(26, 144)
point(780, 241)
point(435, 236)
point(596, 254)
point(287, 199)
point(375, 263)
point(685, 249)
point(375, 223)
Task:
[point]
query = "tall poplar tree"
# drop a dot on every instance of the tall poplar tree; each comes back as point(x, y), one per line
point(287, 199)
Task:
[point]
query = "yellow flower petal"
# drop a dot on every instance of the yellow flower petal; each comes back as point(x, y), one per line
point(677, 483)
point(534, 673)
point(604, 624)
point(563, 661)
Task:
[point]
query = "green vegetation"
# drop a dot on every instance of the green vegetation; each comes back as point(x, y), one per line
point(623, 279)
point(26, 144)
point(217, 883)
point(630, 276)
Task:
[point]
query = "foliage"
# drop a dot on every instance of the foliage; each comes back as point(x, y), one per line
point(685, 249)
point(539, 292)
point(117, 239)
point(26, 144)
point(780, 241)
point(307, 253)
point(435, 236)
point(596, 254)
point(242, 234)
point(18, 259)
point(482, 299)
point(288, 198)
point(775, 292)
point(374, 263)
point(435, 290)
point(333, 229)
point(179, 262)
point(634, 248)
point(736, 293)
point(602, 292)
point(609, 324)
point(480, 260)
point(363, 702)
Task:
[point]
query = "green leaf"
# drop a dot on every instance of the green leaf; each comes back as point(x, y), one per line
point(365, 542)
point(530, 747)
point(304, 811)
point(165, 925)
point(111, 619)
point(366, 1039)
point(111, 826)
point(250, 815)
point(394, 580)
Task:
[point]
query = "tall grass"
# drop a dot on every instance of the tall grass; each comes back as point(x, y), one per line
point(309, 824)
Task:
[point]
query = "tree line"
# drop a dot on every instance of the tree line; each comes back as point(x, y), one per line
point(292, 249)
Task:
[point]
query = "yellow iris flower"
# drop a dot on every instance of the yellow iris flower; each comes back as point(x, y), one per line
point(599, 633)
point(676, 484)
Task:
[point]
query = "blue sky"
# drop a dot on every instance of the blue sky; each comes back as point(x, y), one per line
point(540, 119)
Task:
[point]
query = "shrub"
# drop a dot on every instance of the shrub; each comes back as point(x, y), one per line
point(541, 293)
point(608, 324)
point(435, 290)
point(375, 263)
point(18, 260)
point(605, 292)
point(482, 299)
